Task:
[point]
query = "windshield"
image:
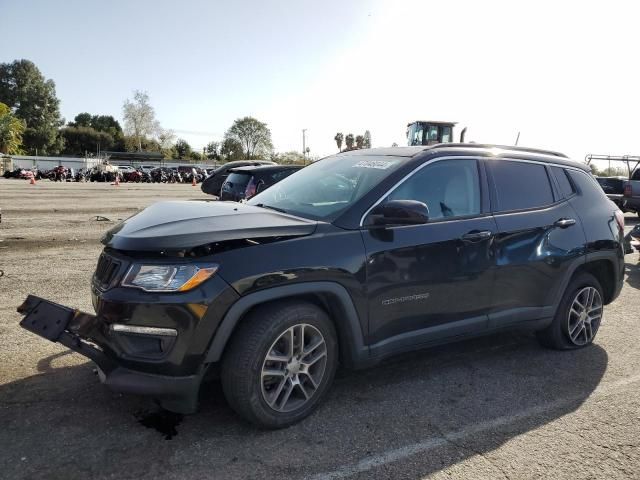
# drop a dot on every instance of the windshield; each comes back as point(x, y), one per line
point(326, 188)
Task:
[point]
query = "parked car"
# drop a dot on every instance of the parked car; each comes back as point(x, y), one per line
point(632, 192)
point(353, 259)
point(245, 182)
point(213, 183)
point(614, 189)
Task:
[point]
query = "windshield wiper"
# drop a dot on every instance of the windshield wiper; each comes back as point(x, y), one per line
point(262, 205)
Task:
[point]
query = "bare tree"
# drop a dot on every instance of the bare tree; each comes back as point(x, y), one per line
point(166, 138)
point(139, 117)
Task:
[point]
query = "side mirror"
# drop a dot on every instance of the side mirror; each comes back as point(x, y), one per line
point(399, 212)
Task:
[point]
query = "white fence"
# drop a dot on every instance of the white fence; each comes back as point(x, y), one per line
point(47, 163)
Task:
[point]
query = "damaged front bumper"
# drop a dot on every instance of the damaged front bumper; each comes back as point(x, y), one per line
point(75, 330)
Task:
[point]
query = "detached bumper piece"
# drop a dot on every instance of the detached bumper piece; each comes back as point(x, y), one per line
point(72, 328)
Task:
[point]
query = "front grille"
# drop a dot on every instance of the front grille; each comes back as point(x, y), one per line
point(106, 271)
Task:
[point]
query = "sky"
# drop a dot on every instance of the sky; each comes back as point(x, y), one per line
point(563, 74)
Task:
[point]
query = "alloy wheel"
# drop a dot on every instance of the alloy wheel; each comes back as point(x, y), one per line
point(585, 316)
point(293, 368)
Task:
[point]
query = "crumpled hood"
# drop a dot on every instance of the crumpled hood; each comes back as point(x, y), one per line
point(178, 225)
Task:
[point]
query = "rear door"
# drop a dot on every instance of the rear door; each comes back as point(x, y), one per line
point(539, 236)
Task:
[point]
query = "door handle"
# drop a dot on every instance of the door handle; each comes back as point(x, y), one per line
point(565, 222)
point(477, 236)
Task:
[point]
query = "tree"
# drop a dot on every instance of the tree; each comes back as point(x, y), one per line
point(339, 138)
point(367, 139)
point(231, 149)
point(289, 158)
point(133, 144)
point(33, 99)
point(139, 117)
point(213, 150)
point(166, 138)
point(349, 139)
point(79, 140)
point(11, 131)
point(99, 123)
point(253, 135)
point(183, 149)
point(359, 141)
point(81, 120)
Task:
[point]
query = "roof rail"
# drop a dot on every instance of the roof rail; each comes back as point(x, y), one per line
point(504, 147)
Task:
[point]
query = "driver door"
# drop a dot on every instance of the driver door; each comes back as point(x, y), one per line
point(432, 281)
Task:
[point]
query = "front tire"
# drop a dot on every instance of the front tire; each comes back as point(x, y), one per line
point(280, 363)
point(578, 317)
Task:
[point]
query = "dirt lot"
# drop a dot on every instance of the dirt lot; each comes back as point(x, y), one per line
point(489, 408)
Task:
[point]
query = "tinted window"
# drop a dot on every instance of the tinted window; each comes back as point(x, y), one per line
point(450, 188)
point(237, 181)
point(520, 185)
point(566, 189)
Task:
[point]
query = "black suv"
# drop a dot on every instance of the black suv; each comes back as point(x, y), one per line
point(245, 182)
point(352, 259)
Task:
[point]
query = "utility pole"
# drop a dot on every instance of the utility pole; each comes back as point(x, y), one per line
point(304, 145)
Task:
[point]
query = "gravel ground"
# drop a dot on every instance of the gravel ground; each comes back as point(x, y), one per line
point(494, 407)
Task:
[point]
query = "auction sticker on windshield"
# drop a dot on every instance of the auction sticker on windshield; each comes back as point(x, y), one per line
point(379, 164)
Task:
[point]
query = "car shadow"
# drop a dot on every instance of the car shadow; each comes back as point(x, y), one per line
point(66, 425)
point(632, 274)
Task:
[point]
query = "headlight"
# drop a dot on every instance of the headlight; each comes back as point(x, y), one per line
point(168, 278)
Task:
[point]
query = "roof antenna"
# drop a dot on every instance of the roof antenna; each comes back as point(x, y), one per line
point(517, 138)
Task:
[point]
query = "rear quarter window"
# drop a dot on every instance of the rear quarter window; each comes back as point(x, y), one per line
point(520, 185)
point(566, 188)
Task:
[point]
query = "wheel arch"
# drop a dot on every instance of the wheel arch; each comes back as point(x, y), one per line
point(332, 297)
point(604, 271)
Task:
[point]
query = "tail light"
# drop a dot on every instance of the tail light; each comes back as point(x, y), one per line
point(250, 191)
point(627, 190)
point(620, 219)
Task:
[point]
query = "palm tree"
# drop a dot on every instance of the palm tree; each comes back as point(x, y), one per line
point(349, 139)
point(339, 138)
point(11, 130)
point(359, 141)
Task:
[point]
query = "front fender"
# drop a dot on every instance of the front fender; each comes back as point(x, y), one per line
point(352, 347)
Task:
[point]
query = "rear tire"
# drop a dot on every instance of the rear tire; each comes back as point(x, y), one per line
point(578, 317)
point(280, 363)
